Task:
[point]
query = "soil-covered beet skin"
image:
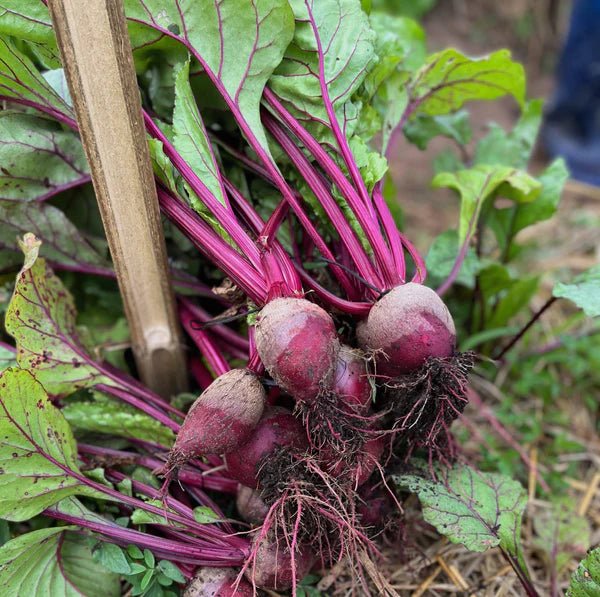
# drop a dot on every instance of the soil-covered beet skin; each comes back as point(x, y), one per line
point(272, 566)
point(297, 343)
point(278, 428)
point(223, 417)
point(217, 582)
point(407, 326)
point(250, 506)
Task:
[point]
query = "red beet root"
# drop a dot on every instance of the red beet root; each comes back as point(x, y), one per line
point(374, 509)
point(217, 582)
point(368, 460)
point(408, 325)
point(222, 418)
point(250, 506)
point(277, 428)
point(364, 464)
point(297, 342)
point(351, 380)
point(272, 566)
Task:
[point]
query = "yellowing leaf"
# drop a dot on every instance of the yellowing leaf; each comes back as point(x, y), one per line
point(38, 454)
point(448, 79)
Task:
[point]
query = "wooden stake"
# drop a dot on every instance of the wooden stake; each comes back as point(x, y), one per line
point(96, 53)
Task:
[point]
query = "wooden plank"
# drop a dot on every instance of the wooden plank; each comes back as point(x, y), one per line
point(96, 52)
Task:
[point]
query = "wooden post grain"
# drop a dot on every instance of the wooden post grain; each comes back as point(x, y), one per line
point(96, 52)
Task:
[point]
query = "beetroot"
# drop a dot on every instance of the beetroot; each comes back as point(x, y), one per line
point(224, 415)
point(298, 345)
point(351, 382)
point(406, 327)
point(273, 567)
point(368, 460)
point(221, 419)
point(375, 511)
point(338, 422)
point(360, 468)
point(278, 428)
point(250, 506)
point(217, 582)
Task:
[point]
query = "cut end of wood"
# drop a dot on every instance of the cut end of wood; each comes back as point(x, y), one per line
point(163, 369)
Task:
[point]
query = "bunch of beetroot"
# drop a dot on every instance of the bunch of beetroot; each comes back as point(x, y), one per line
point(333, 361)
point(317, 414)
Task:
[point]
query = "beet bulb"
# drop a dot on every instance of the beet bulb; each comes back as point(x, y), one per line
point(278, 428)
point(221, 419)
point(297, 343)
point(407, 326)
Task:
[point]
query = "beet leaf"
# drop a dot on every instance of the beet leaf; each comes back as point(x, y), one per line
point(21, 82)
point(479, 510)
point(478, 184)
point(38, 452)
point(64, 245)
point(585, 581)
point(239, 46)
point(39, 159)
point(41, 318)
point(584, 291)
point(448, 79)
point(347, 40)
point(54, 561)
point(190, 138)
point(108, 416)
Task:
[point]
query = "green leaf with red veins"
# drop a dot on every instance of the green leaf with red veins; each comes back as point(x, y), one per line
point(449, 79)
point(480, 183)
point(41, 317)
point(347, 43)
point(105, 415)
point(38, 454)
point(29, 20)
point(20, 81)
point(238, 42)
point(190, 138)
point(479, 510)
point(54, 562)
point(63, 243)
point(39, 159)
